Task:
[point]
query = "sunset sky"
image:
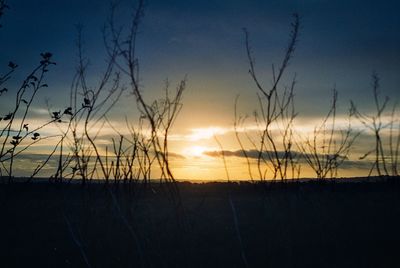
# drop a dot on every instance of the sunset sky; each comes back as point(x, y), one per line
point(341, 44)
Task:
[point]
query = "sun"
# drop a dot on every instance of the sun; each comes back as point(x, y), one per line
point(194, 151)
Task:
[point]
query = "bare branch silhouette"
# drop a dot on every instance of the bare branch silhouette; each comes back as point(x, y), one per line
point(276, 113)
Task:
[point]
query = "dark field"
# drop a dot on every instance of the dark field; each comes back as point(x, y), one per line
point(308, 224)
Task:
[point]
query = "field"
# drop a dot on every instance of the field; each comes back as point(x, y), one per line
point(298, 224)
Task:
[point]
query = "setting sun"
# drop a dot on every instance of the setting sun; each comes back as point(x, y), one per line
point(195, 151)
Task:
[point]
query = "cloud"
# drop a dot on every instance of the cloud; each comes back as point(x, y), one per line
point(237, 153)
point(300, 157)
point(175, 155)
point(255, 154)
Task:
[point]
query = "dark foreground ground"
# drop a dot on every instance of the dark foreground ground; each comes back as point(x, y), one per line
point(221, 225)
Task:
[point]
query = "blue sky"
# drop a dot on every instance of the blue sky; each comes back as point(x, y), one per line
point(341, 42)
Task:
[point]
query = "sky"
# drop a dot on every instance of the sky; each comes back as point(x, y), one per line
point(341, 44)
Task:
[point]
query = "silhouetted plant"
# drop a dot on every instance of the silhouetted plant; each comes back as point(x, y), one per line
point(131, 159)
point(223, 158)
point(143, 143)
point(16, 134)
point(385, 157)
point(276, 115)
point(328, 147)
point(87, 110)
point(394, 141)
point(159, 114)
point(239, 122)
